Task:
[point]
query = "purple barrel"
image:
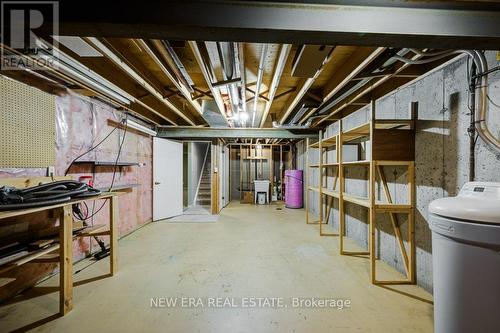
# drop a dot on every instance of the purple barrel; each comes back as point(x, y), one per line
point(293, 189)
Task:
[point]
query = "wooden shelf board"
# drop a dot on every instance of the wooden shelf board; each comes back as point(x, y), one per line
point(330, 193)
point(394, 163)
point(329, 142)
point(356, 132)
point(364, 162)
point(32, 255)
point(47, 258)
point(91, 230)
point(356, 200)
point(329, 165)
point(392, 208)
point(314, 165)
point(19, 212)
point(314, 145)
point(312, 188)
point(393, 123)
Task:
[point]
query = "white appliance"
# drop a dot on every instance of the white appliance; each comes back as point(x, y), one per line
point(261, 186)
point(466, 259)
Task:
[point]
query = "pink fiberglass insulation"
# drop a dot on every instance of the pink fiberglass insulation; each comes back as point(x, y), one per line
point(80, 124)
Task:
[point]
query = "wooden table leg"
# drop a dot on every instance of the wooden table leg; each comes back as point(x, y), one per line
point(113, 238)
point(66, 261)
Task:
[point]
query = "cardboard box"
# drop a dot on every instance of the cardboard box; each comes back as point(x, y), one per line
point(247, 197)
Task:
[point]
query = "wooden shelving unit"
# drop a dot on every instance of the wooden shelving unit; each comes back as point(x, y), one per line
point(392, 143)
point(59, 249)
point(324, 192)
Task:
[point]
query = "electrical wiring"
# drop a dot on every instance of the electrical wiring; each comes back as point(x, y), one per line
point(123, 121)
point(491, 101)
point(94, 213)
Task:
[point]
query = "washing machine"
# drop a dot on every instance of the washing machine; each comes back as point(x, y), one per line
point(466, 259)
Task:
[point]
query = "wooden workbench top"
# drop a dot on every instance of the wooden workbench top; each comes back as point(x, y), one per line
point(19, 212)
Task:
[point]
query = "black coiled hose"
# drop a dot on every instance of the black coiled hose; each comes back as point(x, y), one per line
point(44, 195)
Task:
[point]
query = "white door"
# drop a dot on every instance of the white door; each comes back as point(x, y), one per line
point(167, 178)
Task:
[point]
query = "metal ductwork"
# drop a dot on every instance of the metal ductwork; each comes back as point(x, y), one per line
point(230, 66)
point(291, 127)
point(176, 65)
point(211, 113)
point(260, 74)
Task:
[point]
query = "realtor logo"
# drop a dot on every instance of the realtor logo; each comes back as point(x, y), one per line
point(23, 24)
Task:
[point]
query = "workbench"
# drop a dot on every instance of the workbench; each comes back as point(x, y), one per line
point(65, 246)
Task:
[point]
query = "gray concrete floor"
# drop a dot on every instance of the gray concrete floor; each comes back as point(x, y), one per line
point(252, 251)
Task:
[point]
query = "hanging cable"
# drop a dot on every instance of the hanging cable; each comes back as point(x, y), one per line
point(123, 121)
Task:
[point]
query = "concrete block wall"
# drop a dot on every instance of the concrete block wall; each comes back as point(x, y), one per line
point(442, 157)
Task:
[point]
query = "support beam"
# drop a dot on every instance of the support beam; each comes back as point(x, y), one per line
point(186, 132)
point(419, 23)
point(134, 75)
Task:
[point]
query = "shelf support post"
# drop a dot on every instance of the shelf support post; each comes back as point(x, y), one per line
point(65, 260)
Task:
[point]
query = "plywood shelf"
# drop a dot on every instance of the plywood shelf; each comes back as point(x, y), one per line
point(394, 124)
point(326, 165)
point(95, 230)
point(357, 132)
point(314, 189)
point(330, 193)
point(30, 256)
point(364, 162)
point(329, 142)
point(329, 165)
point(360, 201)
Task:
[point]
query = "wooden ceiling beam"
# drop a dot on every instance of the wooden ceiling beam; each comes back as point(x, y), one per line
point(159, 55)
point(353, 67)
point(110, 55)
point(144, 110)
point(366, 90)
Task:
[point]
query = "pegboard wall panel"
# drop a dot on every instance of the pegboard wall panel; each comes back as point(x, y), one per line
point(27, 126)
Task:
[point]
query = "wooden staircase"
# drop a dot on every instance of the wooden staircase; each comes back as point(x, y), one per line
point(204, 192)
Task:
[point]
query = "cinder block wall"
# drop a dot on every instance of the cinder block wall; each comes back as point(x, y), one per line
point(442, 157)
